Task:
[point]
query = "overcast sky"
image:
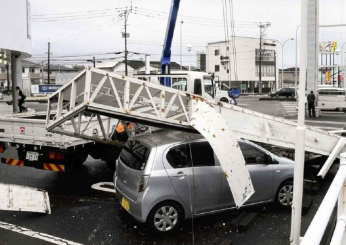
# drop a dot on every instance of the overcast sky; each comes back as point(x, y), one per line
point(103, 34)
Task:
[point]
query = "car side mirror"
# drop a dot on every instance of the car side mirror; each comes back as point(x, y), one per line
point(269, 159)
point(260, 159)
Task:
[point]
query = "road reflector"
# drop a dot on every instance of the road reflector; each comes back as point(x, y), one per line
point(23, 198)
point(15, 162)
point(54, 167)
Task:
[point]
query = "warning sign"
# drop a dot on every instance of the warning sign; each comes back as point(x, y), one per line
point(22, 130)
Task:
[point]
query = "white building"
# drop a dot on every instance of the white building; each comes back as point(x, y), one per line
point(34, 74)
point(247, 65)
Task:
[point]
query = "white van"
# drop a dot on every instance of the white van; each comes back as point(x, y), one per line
point(331, 98)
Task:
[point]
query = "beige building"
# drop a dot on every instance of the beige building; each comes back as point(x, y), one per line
point(288, 77)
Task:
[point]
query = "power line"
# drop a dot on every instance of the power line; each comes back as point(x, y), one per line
point(90, 11)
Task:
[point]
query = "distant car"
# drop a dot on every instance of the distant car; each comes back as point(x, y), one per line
point(283, 92)
point(162, 179)
point(1, 96)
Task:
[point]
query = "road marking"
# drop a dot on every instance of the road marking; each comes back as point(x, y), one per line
point(333, 112)
point(329, 128)
point(292, 111)
point(38, 235)
point(104, 186)
point(323, 122)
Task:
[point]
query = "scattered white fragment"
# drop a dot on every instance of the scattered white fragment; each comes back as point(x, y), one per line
point(23, 198)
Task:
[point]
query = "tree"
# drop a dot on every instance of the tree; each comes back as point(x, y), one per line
point(78, 67)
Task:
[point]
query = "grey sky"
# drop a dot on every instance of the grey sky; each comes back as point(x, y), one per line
point(100, 35)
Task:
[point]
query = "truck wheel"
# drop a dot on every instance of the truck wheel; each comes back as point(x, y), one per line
point(111, 165)
point(79, 159)
point(224, 100)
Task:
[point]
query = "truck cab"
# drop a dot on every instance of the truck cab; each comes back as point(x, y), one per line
point(193, 82)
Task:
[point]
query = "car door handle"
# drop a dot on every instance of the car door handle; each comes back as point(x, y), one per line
point(179, 174)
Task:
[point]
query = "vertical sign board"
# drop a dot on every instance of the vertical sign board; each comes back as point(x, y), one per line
point(313, 46)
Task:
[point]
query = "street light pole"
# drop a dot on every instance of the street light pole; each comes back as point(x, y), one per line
point(282, 56)
point(189, 48)
point(342, 54)
point(181, 45)
point(296, 69)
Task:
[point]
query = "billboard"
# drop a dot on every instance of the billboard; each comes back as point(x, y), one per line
point(44, 88)
point(328, 47)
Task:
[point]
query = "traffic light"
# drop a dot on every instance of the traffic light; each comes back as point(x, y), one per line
point(224, 57)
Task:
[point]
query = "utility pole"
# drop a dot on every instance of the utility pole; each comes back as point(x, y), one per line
point(181, 45)
point(126, 35)
point(8, 78)
point(93, 61)
point(262, 27)
point(48, 62)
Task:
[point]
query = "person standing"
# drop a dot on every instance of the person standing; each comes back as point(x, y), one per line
point(311, 103)
point(21, 100)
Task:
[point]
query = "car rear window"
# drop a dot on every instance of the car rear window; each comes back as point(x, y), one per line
point(135, 155)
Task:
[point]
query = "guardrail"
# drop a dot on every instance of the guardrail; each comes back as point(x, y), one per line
point(336, 192)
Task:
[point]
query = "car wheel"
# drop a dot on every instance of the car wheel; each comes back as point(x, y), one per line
point(224, 100)
point(284, 196)
point(277, 96)
point(165, 217)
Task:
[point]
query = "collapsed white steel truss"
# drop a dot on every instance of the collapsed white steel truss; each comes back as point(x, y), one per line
point(99, 94)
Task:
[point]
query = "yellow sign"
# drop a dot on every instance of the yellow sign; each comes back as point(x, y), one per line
point(334, 46)
point(328, 47)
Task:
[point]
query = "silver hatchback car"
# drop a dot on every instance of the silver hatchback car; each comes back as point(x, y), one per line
point(167, 176)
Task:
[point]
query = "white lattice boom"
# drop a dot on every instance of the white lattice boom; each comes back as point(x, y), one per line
point(99, 93)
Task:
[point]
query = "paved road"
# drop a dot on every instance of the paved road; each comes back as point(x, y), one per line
point(83, 215)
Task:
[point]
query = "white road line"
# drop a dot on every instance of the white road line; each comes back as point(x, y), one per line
point(333, 112)
point(38, 235)
point(323, 122)
point(329, 128)
point(292, 111)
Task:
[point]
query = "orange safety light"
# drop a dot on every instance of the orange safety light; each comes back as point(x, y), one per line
point(52, 155)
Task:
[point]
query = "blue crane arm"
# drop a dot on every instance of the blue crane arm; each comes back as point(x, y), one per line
point(166, 52)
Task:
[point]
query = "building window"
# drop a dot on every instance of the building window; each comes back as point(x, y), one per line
point(32, 70)
point(40, 70)
point(217, 52)
point(217, 68)
point(23, 70)
point(3, 70)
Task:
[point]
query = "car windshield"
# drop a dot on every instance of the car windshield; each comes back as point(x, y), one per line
point(134, 155)
point(208, 85)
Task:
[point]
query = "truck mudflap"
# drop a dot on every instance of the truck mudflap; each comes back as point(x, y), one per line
point(54, 167)
point(13, 162)
point(46, 166)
